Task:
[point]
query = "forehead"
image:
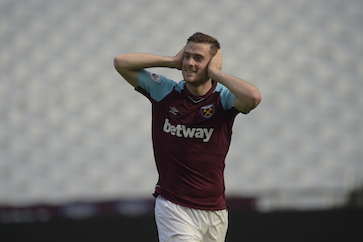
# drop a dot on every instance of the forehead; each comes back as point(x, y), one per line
point(202, 49)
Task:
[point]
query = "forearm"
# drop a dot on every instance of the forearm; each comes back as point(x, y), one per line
point(138, 61)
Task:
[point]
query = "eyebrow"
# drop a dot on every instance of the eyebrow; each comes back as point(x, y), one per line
point(198, 55)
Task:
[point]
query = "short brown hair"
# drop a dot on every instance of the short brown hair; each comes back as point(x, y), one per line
point(199, 37)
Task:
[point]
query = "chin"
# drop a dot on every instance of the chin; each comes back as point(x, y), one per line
point(193, 79)
point(189, 78)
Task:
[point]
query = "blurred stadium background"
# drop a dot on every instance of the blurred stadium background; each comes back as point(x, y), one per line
point(73, 130)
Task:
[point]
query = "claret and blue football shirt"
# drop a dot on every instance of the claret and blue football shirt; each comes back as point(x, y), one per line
point(191, 137)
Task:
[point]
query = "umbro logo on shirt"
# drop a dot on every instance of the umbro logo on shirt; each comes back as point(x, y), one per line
point(182, 131)
point(173, 110)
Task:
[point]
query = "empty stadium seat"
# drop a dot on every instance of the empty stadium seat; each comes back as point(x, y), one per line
point(73, 129)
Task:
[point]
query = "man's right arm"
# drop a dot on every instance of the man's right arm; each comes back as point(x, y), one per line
point(128, 65)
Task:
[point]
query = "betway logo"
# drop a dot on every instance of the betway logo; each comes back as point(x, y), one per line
point(182, 131)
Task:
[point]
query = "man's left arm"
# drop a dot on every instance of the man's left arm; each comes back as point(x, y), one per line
point(247, 95)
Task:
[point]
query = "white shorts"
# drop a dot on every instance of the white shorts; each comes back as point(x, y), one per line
point(177, 223)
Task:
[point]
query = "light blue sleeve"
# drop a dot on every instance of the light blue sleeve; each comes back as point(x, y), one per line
point(156, 85)
point(227, 97)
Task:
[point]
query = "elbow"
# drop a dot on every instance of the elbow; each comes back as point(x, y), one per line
point(248, 103)
point(118, 62)
point(257, 98)
point(122, 62)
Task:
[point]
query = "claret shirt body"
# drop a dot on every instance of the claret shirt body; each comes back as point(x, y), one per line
point(191, 137)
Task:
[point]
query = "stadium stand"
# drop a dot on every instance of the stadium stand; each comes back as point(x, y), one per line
point(73, 130)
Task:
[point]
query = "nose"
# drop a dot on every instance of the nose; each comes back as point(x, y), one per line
point(190, 61)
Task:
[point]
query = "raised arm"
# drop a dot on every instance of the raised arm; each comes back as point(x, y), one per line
point(247, 95)
point(129, 64)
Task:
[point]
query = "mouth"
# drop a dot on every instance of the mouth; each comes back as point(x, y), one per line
point(190, 71)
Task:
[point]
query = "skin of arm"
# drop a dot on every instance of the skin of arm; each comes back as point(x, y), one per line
point(247, 95)
point(128, 65)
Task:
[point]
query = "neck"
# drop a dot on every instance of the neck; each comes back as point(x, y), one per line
point(199, 90)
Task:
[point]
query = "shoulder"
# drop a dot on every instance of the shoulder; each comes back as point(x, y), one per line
point(226, 96)
point(158, 86)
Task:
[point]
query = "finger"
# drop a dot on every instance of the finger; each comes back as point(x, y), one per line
point(182, 51)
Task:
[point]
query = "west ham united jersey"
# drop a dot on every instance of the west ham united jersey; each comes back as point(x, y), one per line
point(191, 137)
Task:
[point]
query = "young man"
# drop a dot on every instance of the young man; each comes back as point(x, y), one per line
point(191, 130)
